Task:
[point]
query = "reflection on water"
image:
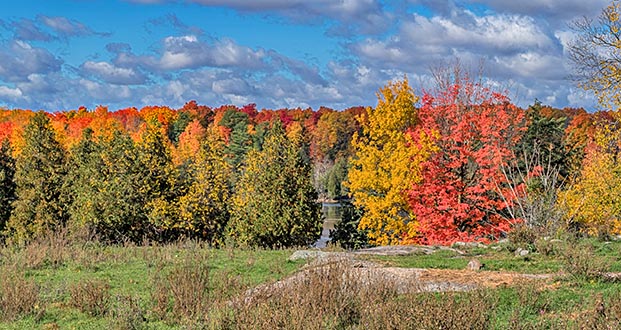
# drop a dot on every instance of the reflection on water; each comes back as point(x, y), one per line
point(332, 213)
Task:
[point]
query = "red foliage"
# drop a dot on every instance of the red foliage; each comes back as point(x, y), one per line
point(457, 199)
point(6, 129)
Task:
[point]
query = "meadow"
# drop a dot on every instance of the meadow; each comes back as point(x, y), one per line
point(64, 283)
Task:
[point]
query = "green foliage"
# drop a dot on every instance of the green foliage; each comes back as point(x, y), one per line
point(274, 203)
point(240, 141)
point(202, 211)
point(334, 179)
point(545, 136)
point(117, 192)
point(178, 126)
point(39, 176)
point(7, 183)
point(346, 232)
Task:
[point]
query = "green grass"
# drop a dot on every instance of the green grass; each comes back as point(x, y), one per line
point(132, 273)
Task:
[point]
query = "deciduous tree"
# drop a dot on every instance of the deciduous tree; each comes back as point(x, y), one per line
point(387, 163)
point(457, 198)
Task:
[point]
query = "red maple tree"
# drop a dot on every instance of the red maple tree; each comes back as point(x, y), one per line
point(457, 199)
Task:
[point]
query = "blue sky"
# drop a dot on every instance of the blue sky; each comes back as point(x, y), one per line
point(59, 55)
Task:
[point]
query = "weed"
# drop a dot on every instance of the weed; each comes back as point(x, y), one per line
point(128, 314)
point(582, 263)
point(91, 297)
point(18, 295)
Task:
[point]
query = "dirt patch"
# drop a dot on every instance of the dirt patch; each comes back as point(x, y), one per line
point(354, 273)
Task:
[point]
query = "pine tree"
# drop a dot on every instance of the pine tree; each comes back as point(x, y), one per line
point(86, 178)
point(40, 174)
point(274, 203)
point(121, 192)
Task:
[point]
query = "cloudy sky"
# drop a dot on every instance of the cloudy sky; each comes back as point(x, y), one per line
point(62, 54)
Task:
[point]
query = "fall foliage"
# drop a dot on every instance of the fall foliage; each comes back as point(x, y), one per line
point(387, 163)
point(456, 197)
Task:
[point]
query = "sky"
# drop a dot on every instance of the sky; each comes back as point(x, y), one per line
point(63, 54)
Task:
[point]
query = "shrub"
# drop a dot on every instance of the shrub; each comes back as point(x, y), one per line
point(346, 232)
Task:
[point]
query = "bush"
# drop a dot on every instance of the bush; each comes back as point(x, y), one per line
point(582, 263)
point(522, 236)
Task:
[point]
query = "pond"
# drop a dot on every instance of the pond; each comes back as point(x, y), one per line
point(332, 213)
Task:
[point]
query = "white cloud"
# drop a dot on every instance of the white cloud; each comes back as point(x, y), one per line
point(188, 52)
point(11, 93)
point(113, 74)
point(19, 59)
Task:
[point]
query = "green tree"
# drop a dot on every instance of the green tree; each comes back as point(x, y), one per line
point(204, 211)
point(86, 178)
point(39, 176)
point(545, 138)
point(274, 203)
point(7, 182)
point(118, 192)
point(240, 140)
point(346, 232)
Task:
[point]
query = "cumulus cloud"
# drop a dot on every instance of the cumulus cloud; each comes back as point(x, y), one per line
point(188, 52)
point(555, 11)
point(113, 74)
point(523, 45)
point(11, 93)
point(19, 59)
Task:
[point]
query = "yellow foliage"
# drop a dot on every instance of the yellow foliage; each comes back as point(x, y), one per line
point(386, 164)
point(594, 200)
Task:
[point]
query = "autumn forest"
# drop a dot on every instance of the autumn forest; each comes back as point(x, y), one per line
point(456, 162)
point(460, 164)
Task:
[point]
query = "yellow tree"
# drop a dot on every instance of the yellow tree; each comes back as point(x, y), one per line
point(593, 202)
point(386, 164)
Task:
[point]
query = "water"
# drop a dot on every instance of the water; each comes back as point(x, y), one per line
point(332, 213)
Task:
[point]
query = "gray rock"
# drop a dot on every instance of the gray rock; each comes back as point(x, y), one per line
point(521, 252)
point(305, 255)
point(474, 264)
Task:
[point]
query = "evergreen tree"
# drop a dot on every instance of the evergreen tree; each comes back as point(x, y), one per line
point(544, 140)
point(121, 194)
point(204, 211)
point(274, 203)
point(40, 174)
point(240, 141)
point(7, 183)
point(86, 178)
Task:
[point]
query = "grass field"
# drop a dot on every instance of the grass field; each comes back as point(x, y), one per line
point(56, 284)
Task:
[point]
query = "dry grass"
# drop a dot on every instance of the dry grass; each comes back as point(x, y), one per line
point(18, 296)
point(91, 297)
